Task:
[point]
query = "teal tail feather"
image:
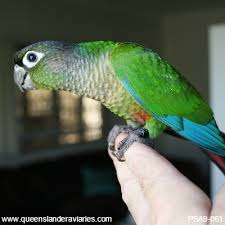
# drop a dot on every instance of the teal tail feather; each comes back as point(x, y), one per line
point(217, 159)
point(206, 136)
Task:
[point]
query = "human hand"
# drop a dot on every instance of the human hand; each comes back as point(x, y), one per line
point(156, 193)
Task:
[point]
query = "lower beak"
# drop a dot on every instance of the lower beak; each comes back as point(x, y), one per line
point(22, 79)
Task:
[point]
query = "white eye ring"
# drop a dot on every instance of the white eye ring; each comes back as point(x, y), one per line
point(31, 58)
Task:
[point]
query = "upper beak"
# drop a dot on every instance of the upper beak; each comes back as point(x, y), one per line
point(22, 79)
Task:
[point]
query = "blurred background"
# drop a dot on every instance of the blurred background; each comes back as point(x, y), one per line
point(53, 150)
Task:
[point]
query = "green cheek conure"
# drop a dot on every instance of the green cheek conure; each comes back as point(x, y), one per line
point(132, 81)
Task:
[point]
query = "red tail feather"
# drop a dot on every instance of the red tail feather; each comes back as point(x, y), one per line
point(218, 160)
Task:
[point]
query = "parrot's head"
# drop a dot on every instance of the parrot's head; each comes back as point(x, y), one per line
point(42, 65)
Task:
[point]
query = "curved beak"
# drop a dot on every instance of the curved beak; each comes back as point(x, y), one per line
point(22, 78)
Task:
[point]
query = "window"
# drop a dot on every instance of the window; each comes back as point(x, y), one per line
point(50, 119)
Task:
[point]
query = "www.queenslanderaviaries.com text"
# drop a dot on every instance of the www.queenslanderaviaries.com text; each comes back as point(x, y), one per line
point(60, 219)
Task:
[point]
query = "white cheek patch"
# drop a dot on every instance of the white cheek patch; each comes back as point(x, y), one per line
point(29, 64)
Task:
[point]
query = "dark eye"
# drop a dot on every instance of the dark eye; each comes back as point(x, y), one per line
point(32, 57)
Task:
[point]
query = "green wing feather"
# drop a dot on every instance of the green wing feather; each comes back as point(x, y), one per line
point(159, 87)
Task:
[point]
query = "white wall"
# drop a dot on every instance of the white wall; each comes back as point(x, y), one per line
point(217, 89)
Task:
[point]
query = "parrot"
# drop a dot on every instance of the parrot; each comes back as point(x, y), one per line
point(132, 81)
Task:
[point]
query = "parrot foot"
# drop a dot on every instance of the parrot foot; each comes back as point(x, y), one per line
point(140, 135)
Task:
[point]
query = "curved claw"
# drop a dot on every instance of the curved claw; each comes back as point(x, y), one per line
point(140, 135)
